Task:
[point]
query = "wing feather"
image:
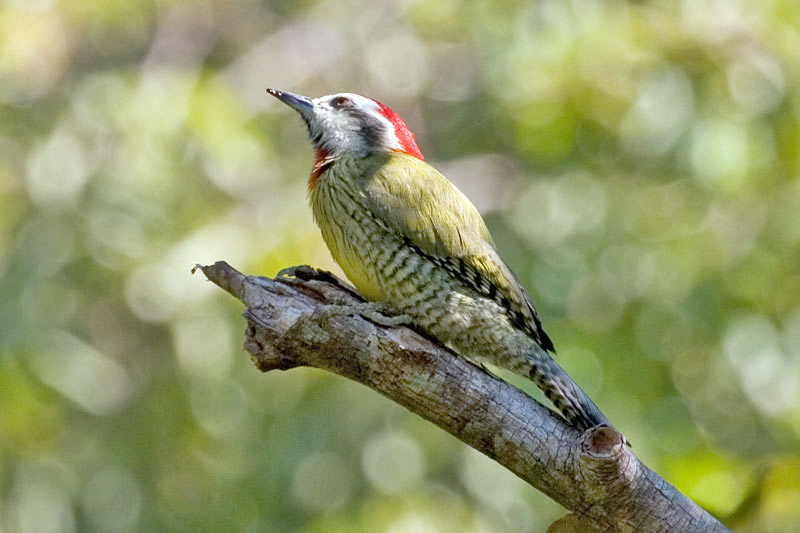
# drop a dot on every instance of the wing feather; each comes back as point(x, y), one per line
point(418, 202)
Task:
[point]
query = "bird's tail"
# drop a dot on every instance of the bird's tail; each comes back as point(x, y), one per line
point(566, 395)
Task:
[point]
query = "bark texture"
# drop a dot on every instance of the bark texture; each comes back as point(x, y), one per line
point(314, 319)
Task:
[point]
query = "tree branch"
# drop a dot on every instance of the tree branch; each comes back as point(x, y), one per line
point(313, 320)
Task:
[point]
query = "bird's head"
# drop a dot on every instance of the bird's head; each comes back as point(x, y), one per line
point(350, 125)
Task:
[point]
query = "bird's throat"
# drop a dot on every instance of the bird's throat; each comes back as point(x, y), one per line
point(322, 162)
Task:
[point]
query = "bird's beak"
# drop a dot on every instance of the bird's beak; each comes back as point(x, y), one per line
point(301, 104)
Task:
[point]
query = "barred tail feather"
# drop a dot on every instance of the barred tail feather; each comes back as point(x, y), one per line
point(566, 395)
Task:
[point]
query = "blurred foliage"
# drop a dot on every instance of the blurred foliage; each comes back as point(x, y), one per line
point(637, 163)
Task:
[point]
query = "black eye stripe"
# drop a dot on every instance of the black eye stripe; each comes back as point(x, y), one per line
point(371, 128)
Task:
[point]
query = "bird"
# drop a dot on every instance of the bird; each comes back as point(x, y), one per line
point(407, 237)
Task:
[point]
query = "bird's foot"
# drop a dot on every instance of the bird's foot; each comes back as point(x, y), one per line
point(304, 273)
point(377, 312)
point(308, 273)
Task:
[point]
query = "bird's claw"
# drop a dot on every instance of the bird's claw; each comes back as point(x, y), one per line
point(376, 312)
point(302, 272)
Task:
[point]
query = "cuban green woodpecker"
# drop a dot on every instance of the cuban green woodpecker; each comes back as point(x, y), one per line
point(406, 236)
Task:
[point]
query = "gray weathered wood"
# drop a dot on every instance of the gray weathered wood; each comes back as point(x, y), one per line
point(316, 320)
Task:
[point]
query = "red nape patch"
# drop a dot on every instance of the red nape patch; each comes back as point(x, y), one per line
point(408, 144)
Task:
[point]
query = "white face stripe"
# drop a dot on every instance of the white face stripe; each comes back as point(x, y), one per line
point(361, 102)
point(354, 129)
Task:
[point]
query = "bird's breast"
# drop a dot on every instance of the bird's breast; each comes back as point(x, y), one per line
point(356, 239)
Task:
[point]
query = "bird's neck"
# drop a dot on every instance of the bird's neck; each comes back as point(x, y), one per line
point(322, 162)
point(326, 164)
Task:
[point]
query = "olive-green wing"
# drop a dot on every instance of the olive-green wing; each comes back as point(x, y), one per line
point(419, 203)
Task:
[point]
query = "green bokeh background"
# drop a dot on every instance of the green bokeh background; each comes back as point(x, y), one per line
point(638, 164)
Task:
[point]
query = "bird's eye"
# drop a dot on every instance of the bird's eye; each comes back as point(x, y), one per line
point(340, 102)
